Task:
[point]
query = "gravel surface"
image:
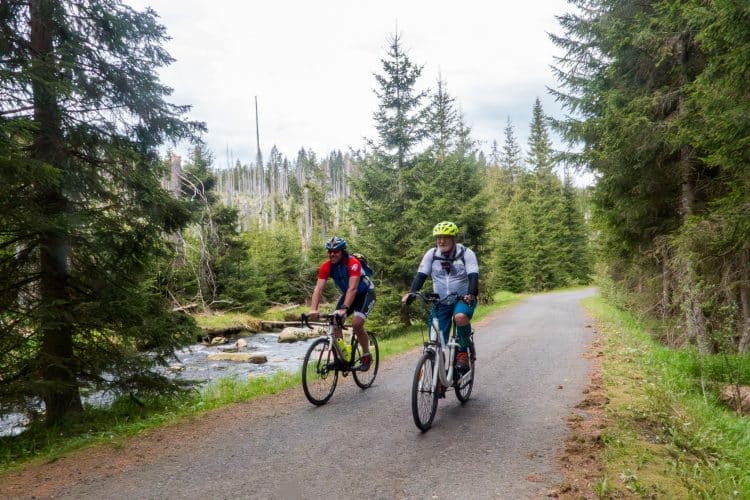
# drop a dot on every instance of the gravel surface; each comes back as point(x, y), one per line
point(503, 443)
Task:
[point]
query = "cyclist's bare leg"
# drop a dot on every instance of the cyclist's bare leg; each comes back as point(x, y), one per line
point(463, 329)
point(358, 325)
point(461, 319)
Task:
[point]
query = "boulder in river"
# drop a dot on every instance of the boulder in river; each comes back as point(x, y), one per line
point(294, 334)
point(247, 357)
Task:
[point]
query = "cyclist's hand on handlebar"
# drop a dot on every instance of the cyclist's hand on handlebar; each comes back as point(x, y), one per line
point(468, 298)
point(313, 315)
point(340, 312)
point(408, 298)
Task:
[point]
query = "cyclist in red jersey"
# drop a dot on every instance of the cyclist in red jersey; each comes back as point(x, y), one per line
point(357, 291)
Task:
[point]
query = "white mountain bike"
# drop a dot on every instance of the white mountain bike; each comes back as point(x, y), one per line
point(436, 371)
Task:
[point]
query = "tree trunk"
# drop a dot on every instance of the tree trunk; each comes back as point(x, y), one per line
point(176, 186)
point(695, 320)
point(666, 288)
point(744, 344)
point(56, 361)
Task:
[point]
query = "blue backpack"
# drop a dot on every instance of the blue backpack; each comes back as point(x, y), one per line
point(365, 265)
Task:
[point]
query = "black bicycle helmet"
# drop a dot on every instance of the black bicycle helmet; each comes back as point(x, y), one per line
point(336, 243)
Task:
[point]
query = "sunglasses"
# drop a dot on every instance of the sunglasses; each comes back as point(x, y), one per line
point(447, 266)
point(334, 252)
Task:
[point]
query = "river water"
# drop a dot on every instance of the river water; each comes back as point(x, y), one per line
point(192, 363)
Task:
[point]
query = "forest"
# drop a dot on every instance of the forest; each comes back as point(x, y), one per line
point(106, 241)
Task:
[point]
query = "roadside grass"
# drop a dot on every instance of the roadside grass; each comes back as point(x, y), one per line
point(129, 415)
point(223, 320)
point(667, 433)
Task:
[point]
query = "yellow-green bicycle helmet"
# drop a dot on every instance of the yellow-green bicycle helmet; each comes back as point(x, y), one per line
point(445, 228)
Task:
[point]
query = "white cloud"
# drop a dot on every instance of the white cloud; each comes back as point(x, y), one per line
point(311, 65)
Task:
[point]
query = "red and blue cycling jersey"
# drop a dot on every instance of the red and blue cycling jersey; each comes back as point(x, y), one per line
point(348, 266)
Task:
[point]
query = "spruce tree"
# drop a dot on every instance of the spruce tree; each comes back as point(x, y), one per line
point(510, 158)
point(507, 223)
point(399, 117)
point(547, 233)
point(384, 187)
point(84, 216)
point(441, 120)
point(658, 92)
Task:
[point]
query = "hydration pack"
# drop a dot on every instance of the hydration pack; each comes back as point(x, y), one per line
point(365, 265)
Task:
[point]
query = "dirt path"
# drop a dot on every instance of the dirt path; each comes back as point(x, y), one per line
point(504, 443)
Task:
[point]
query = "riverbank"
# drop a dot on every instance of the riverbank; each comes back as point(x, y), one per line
point(128, 416)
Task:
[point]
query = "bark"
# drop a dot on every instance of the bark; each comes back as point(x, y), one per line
point(176, 174)
point(744, 345)
point(308, 216)
point(695, 320)
point(56, 360)
point(176, 185)
point(666, 289)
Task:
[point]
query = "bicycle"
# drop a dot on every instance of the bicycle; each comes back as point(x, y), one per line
point(435, 371)
point(324, 360)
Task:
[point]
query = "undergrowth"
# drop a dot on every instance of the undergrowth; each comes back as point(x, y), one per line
point(668, 434)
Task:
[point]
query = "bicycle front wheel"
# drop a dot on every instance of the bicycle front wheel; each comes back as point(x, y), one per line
point(466, 383)
point(424, 392)
point(319, 372)
point(366, 378)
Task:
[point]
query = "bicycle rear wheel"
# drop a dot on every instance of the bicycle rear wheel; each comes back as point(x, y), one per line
point(463, 389)
point(365, 379)
point(319, 372)
point(424, 392)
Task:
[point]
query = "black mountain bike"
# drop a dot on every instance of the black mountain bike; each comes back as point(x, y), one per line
point(324, 361)
point(435, 371)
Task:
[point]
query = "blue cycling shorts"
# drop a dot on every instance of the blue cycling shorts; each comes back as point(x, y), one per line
point(446, 312)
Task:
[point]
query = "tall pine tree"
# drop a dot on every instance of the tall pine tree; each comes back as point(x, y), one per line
point(83, 217)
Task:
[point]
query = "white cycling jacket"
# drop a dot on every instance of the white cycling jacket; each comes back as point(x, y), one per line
point(453, 276)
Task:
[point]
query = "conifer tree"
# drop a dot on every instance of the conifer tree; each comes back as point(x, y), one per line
point(399, 117)
point(510, 158)
point(507, 222)
point(659, 98)
point(384, 187)
point(545, 199)
point(442, 120)
point(577, 264)
point(82, 220)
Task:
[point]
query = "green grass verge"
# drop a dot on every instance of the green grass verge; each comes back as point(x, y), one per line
point(667, 434)
point(129, 416)
point(223, 320)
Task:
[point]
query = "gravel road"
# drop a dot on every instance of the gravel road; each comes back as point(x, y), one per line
point(503, 443)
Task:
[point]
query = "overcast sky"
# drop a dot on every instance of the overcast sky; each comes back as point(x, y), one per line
point(311, 66)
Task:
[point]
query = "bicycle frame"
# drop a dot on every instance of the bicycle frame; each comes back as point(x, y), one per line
point(436, 370)
point(440, 350)
point(324, 361)
point(333, 319)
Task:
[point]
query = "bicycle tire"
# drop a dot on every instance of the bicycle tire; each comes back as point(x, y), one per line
point(365, 379)
point(319, 372)
point(463, 392)
point(424, 396)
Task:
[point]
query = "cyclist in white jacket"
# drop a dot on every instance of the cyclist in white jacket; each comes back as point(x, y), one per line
point(454, 270)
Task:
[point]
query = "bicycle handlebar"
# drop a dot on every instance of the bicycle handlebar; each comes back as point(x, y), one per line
point(305, 319)
point(433, 298)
